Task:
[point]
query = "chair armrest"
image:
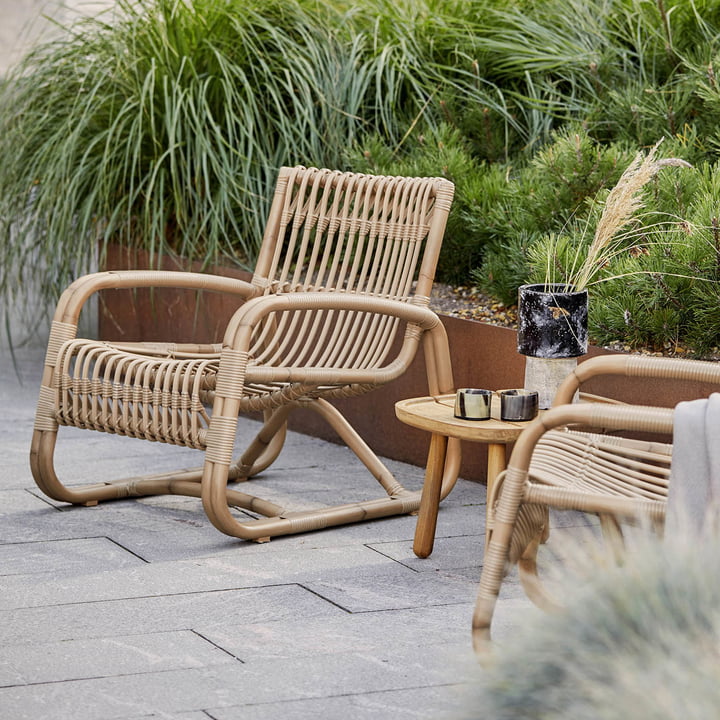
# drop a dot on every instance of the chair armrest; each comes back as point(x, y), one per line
point(238, 336)
point(76, 295)
point(601, 416)
point(250, 314)
point(637, 366)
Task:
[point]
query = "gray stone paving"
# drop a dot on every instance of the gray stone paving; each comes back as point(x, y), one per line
point(141, 609)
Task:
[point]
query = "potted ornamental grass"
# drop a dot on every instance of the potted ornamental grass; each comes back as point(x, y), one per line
point(553, 314)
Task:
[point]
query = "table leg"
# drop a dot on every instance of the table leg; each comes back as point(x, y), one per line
point(430, 499)
point(496, 463)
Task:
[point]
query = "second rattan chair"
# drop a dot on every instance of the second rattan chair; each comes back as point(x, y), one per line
point(567, 460)
point(346, 263)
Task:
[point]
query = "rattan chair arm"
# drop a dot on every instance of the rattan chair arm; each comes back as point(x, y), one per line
point(77, 294)
point(598, 416)
point(438, 361)
point(637, 366)
point(239, 333)
point(252, 312)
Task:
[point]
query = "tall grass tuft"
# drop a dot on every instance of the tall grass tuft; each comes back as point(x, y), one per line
point(621, 205)
point(162, 124)
point(637, 641)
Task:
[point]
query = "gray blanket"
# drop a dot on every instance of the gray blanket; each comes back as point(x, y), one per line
point(694, 492)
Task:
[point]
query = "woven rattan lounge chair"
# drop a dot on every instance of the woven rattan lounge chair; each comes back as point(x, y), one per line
point(345, 268)
point(565, 460)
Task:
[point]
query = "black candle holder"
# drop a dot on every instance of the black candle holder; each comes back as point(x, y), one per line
point(518, 405)
point(473, 404)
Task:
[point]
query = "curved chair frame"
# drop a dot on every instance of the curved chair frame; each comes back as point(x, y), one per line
point(563, 460)
point(347, 261)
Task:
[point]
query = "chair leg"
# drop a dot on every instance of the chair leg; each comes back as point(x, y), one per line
point(353, 440)
point(371, 461)
point(42, 450)
point(265, 447)
point(527, 566)
point(497, 552)
point(491, 578)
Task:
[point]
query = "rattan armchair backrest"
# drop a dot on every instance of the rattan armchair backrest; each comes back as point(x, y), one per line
point(361, 234)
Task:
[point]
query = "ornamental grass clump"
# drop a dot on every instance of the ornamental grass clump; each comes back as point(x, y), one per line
point(162, 124)
point(639, 640)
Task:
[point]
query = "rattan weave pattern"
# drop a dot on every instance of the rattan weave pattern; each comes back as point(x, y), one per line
point(101, 388)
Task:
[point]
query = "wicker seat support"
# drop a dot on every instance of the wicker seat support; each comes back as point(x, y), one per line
point(343, 280)
point(565, 460)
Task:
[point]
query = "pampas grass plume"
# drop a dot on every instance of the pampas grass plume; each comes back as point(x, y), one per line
point(623, 201)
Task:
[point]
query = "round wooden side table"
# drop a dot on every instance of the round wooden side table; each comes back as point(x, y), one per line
point(436, 415)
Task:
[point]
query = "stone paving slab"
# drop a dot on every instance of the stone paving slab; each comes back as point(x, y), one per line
point(150, 534)
point(440, 703)
point(107, 657)
point(448, 553)
point(132, 616)
point(193, 576)
point(13, 502)
point(67, 556)
point(224, 686)
point(363, 591)
point(411, 630)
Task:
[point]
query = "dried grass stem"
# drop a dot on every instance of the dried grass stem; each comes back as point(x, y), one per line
point(621, 205)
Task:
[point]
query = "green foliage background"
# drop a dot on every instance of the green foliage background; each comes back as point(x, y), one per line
point(162, 124)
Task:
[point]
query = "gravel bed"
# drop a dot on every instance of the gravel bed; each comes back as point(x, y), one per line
point(469, 303)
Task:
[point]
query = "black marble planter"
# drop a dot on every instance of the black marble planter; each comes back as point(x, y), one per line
point(552, 321)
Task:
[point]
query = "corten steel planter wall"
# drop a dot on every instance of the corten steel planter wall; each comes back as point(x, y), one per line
point(483, 356)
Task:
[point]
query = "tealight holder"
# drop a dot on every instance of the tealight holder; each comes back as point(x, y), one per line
point(473, 404)
point(518, 405)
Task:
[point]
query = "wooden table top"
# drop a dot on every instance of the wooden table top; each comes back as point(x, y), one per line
point(435, 414)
